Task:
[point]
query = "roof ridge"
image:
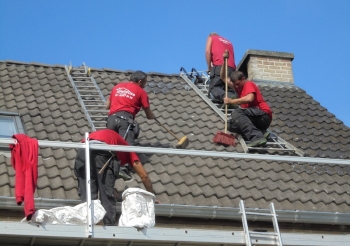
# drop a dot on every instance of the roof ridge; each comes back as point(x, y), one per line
point(32, 63)
point(276, 83)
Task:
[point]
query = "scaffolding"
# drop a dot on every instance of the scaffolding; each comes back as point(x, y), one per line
point(83, 234)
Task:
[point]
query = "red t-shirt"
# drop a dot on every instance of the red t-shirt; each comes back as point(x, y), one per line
point(111, 137)
point(259, 102)
point(128, 96)
point(218, 46)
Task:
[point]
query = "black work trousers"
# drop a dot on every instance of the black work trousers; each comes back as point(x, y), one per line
point(250, 123)
point(123, 123)
point(217, 86)
point(103, 182)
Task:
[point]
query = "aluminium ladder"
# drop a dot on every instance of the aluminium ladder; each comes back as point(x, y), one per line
point(275, 236)
point(89, 95)
point(199, 81)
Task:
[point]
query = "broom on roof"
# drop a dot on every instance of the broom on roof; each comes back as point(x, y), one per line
point(223, 137)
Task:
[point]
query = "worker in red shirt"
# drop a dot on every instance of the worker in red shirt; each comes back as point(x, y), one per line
point(125, 101)
point(215, 47)
point(254, 117)
point(104, 182)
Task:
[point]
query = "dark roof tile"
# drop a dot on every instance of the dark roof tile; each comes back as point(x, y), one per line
point(50, 110)
point(58, 193)
point(5, 190)
point(69, 183)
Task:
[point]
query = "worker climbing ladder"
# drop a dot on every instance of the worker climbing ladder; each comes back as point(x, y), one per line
point(199, 81)
point(89, 95)
point(273, 237)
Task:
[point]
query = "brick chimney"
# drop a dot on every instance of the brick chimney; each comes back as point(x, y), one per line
point(267, 65)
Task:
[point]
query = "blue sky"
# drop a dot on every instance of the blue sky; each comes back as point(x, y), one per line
point(162, 36)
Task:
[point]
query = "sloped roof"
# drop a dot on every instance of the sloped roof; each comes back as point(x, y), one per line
point(44, 97)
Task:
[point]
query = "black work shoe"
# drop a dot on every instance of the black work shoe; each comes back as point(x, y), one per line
point(267, 134)
point(257, 143)
point(125, 176)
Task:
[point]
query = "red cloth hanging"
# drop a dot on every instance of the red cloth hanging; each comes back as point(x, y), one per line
point(24, 159)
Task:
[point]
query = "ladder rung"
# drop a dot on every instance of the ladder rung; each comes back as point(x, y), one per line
point(89, 91)
point(73, 77)
point(274, 142)
point(97, 100)
point(88, 105)
point(75, 72)
point(263, 233)
point(79, 76)
point(85, 86)
point(88, 95)
point(83, 81)
point(262, 214)
point(79, 69)
point(98, 111)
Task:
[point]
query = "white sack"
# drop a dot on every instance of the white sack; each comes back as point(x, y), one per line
point(76, 215)
point(137, 209)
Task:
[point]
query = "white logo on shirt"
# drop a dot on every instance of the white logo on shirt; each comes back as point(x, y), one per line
point(224, 41)
point(123, 92)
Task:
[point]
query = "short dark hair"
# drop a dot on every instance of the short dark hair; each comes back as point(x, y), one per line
point(236, 75)
point(137, 76)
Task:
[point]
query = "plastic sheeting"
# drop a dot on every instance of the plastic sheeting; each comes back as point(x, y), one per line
point(76, 215)
point(137, 209)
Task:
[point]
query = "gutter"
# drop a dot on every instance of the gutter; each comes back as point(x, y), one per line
point(203, 212)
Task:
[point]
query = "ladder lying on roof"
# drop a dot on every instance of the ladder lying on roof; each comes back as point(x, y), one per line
point(256, 235)
point(89, 95)
point(199, 81)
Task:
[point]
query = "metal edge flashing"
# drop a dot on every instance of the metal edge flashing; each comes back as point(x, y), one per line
point(40, 203)
point(203, 212)
point(54, 234)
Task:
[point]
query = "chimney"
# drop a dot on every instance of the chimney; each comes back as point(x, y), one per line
point(260, 65)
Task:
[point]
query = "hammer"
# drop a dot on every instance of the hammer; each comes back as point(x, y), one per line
point(107, 162)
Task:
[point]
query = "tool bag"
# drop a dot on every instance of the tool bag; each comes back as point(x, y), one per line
point(137, 209)
point(67, 215)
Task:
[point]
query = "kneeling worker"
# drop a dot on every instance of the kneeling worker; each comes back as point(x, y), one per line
point(255, 116)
